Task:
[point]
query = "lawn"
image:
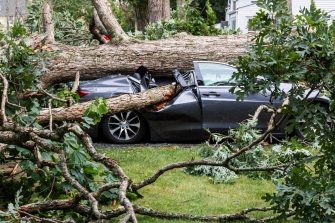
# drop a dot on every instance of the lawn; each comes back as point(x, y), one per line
point(179, 192)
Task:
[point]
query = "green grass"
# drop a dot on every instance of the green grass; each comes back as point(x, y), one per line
point(178, 192)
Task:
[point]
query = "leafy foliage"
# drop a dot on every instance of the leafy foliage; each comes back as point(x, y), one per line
point(96, 111)
point(71, 20)
point(22, 66)
point(192, 22)
point(259, 156)
point(300, 51)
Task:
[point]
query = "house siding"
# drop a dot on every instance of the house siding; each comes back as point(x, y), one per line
point(244, 15)
point(12, 7)
point(326, 5)
point(246, 9)
point(10, 10)
point(242, 3)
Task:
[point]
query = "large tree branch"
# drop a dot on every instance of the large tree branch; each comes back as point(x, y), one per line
point(48, 23)
point(108, 19)
point(241, 216)
point(112, 166)
point(114, 105)
point(97, 28)
point(98, 23)
point(78, 186)
point(226, 162)
point(85, 210)
point(3, 117)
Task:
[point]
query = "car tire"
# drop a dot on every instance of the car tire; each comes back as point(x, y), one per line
point(124, 128)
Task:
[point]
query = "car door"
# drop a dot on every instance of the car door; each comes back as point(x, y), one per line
point(220, 109)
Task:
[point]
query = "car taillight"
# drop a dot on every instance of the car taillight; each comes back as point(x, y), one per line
point(82, 93)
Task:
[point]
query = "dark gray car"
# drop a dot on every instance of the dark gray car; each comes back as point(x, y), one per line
point(204, 103)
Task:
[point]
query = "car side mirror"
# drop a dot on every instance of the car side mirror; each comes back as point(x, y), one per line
point(200, 82)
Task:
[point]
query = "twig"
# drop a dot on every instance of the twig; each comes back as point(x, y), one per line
point(14, 170)
point(125, 219)
point(52, 96)
point(74, 88)
point(261, 109)
point(224, 163)
point(111, 165)
point(50, 114)
point(51, 190)
point(48, 23)
point(104, 188)
point(78, 186)
point(4, 98)
point(24, 109)
point(38, 219)
point(76, 82)
point(259, 169)
point(241, 216)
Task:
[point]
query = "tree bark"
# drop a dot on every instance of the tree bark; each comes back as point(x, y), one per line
point(159, 57)
point(155, 10)
point(180, 8)
point(97, 29)
point(108, 19)
point(115, 105)
point(289, 6)
point(166, 11)
point(142, 20)
point(48, 23)
point(98, 23)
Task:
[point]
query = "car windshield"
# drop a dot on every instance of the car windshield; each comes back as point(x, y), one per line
point(215, 74)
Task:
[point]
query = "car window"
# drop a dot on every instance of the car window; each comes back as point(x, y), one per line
point(214, 74)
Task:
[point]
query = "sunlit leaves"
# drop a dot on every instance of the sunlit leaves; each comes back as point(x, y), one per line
point(96, 111)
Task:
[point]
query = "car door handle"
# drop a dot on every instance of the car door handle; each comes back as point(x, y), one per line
point(211, 94)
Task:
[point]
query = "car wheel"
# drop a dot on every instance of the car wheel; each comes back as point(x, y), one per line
point(124, 127)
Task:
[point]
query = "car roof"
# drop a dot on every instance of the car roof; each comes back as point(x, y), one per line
point(214, 62)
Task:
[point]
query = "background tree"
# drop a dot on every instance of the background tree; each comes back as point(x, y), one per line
point(218, 6)
point(159, 10)
point(166, 14)
point(141, 13)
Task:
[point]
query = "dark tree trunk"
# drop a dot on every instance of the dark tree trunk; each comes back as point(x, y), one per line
point(142, 19)
point(108, 19)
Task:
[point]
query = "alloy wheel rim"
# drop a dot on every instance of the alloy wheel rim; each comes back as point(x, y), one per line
point(124, 126)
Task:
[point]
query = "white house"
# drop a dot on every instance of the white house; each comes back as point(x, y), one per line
point(239, 12)
point(11, 10)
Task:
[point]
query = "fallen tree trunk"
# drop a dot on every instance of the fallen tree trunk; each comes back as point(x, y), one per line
point(114, 105)
point(160, 57)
